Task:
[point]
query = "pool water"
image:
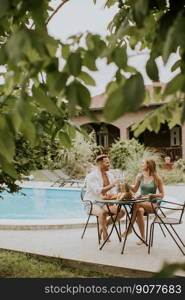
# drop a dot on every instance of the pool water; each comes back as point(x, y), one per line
point(42, 204)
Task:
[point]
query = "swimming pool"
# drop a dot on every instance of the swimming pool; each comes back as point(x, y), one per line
point(40, 204)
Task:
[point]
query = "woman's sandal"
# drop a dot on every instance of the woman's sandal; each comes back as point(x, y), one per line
point(140, 243)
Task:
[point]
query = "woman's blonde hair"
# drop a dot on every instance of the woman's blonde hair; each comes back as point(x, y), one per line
point(151, 165)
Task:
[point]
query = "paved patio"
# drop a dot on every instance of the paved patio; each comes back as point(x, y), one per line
point(67, 244)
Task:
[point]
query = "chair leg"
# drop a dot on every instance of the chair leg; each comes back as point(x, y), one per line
point(152, 240)
point(98, 229)
point(177, 236)
point(150, 237)
point(119, 224)
point(147, 221)
point(174, 239)
point(162, 230)
point(85, 227)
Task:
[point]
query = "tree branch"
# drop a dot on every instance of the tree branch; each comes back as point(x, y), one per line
point(56, 10)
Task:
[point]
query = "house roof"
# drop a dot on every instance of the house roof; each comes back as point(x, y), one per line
point(98, 101)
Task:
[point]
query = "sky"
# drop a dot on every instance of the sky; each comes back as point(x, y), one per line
point(80, 16)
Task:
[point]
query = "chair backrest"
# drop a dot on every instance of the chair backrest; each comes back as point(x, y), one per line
point(180, 220)
point(82, 193)
point(175, 207)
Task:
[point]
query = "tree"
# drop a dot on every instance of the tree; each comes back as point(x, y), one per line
point(43, 76)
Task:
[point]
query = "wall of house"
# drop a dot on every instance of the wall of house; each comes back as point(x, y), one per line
point(183, 141)
point(126, 121)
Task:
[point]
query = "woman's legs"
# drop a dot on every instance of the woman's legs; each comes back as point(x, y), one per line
point(113, 209)
point(134, 215)
point(145, 207)
point(141, 223)
point(138, 215)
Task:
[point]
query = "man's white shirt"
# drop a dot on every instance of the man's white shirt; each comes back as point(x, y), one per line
point(94, 185)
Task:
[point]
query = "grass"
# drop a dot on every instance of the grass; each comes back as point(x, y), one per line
point(22, 265)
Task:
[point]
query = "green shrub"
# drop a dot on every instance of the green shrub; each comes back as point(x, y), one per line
point(121, 150)
point(180, 164)
point(127, 155)
point(73, 161)
point(133, 162)
point(175, 175)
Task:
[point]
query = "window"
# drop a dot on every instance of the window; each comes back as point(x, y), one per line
point(175, 136)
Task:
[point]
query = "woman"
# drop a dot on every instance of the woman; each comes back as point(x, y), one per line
point(149, 182)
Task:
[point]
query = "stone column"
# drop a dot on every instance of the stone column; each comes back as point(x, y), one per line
point(124, 133)
point(183, 141)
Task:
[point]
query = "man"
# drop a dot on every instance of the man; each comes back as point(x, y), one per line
point(98, 183)
point(168, 165)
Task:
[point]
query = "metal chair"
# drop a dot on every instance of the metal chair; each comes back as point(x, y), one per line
point(90, 214)
point(147, 215)
point(168, 223)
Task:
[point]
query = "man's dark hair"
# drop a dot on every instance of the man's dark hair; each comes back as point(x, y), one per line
point(101, 157)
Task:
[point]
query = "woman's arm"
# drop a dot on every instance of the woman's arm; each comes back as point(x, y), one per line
point(161, 190)
point(134, 188)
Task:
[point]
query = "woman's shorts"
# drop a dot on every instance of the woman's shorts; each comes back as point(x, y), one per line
point(87, 206)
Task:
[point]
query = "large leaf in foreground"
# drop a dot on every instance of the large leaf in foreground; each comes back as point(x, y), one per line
point(126, 98)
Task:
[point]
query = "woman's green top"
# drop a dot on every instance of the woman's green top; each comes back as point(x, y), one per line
point(149, 188)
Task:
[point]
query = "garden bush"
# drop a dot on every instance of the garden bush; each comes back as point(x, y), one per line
point(121, 150)
point(173, 176)
point(180, 164)
point(127, 155)
point(73, 161)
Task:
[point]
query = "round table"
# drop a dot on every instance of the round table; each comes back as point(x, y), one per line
point(121, 203)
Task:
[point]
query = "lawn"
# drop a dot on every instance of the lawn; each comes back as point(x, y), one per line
point(20, 265)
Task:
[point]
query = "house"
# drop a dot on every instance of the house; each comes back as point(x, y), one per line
point(169, 141)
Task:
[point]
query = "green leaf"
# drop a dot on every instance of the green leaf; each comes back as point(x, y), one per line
point(64, 139)
point(174, 85)
point(4, 7)
point(134, 92)
point(114, 107)
point(87, 79)
point(20, 43)
point(152, 70)
point(56, 82)
point(119, 56)
point(29, 132)
point(176, 65)
point(7, 145)
point(168, 44)
point(130, 69)
point(110, 3)
point(126, 98)
point(45, 101)
point(8, 168)
point(155, 123)
point(77, 94)
point(90, 61)
point(74, 63)
point(3, 55)
point(140, 11)
point(183, 113)
point(65, 51)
